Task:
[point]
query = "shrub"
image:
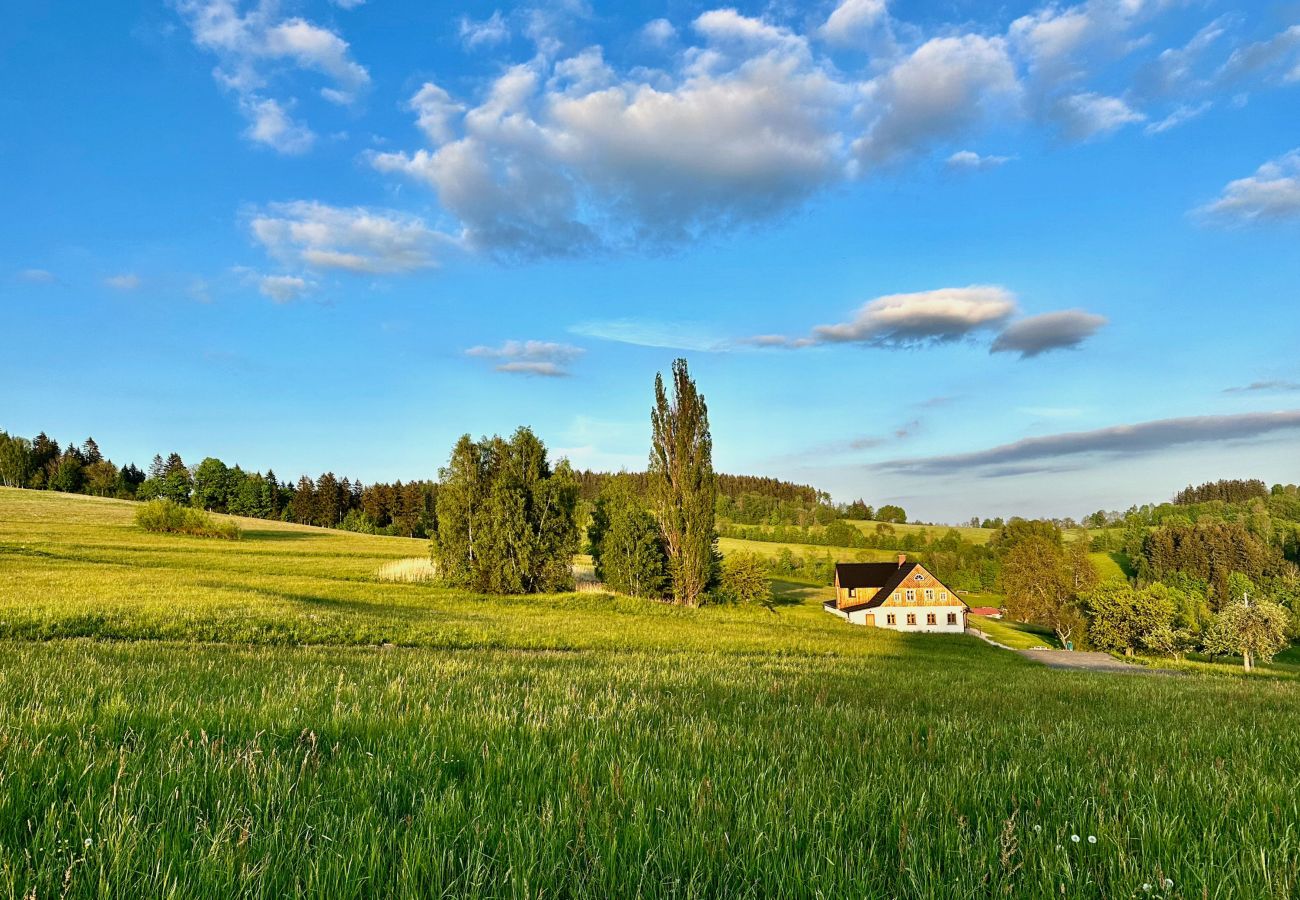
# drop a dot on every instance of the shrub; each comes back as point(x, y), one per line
point(744, 579)
point(166, 517)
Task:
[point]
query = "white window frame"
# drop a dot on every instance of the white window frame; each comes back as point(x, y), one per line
point(943, 595)
point(929, 593)
point(853, 592)
point(911, 595)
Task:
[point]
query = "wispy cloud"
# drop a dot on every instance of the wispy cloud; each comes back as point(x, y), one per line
point(969, 160)
point(1115, 441)
point(283, 288)
point(650, 333)
point(126, 281)
point(485, 32)
point(545, 358)
point(37, 276)
point(1275, 384)
point(1182, 114)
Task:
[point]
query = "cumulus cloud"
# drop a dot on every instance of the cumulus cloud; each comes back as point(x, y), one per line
point(970, 160)
point(659, 32)
point(1033, 335)
point(484, 33)
point(271, 125)
point(1030, 454)
point(923, 318)
point(569, 158)
point(545, 358)
point(747, 116)
point(942, 90)
point(282, 288)
point(349, 239)
point(126, 281)
point(37, 276)
point(1271, 194)
point(251, 47)
point(1088, 115)
point(853, 21)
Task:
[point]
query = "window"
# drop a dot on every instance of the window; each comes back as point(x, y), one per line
point(895, 595)
point(943, 595)
point(930, 619)
point(911, 618)
point(929, 593)
point(911, 594)
point(853, 592)
point(952, 618)
point(891, 619)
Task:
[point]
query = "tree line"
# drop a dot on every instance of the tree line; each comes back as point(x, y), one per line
point(328, 501)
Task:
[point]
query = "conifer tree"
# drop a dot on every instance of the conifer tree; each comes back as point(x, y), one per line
point(684, 486)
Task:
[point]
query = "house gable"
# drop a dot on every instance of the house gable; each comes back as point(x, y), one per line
point(918, 588)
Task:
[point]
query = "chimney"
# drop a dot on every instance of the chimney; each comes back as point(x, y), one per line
point(902, 558)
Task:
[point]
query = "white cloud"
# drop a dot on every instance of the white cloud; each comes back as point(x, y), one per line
point(946, 88)
point(126, 281)
point(1088, 115)
point(583, 160)
point(484, 33)
point(658, 32)
point(969, 159)
point(282, 288)
point(853, 21)
point(435, 112)
point(347, 4)
point(269, 124)
point(1183, 113)
point(1279, 55)
point(649, 333)
point(1271, 194)
point(37, 276)
point(350, 239)
point(545, 358)
point(252, 48)
point(925, 317)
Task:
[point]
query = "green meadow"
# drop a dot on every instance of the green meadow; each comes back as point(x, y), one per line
point(186, 717)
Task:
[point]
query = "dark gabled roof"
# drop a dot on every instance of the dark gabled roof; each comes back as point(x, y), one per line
point(865, 575)
point(896, 577)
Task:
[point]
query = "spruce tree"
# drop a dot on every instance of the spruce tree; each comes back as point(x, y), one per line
point(684, 486)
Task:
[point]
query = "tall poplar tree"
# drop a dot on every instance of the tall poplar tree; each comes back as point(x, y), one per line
point(683, 485)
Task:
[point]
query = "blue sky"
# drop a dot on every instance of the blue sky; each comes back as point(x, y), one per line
point(975, 258)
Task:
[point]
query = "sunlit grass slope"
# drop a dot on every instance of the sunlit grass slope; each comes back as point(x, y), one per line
point(579, 746)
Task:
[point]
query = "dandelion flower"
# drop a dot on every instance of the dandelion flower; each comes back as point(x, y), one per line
point(87, 842)
point(1169, 882)
point(1092, 839)
point(1147, 887)
point(1037, 828)
point(1075, 838)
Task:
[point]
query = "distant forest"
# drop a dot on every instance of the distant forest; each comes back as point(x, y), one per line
point(331, 501)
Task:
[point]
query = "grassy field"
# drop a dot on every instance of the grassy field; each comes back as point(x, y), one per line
point(974, 535)
point(192, 718)
point(1016, 635)
point(772, 548)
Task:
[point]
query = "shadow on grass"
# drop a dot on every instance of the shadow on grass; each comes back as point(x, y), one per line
point(281, 535)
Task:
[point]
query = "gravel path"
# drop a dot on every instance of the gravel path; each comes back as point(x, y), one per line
point(1092, 662)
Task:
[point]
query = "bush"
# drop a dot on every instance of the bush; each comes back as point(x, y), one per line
point(166, 517)
point(744, 579)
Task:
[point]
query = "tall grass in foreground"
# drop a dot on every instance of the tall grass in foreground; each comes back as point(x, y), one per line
point(153, 770)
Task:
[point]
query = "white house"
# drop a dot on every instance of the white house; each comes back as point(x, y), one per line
point(903, 596)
